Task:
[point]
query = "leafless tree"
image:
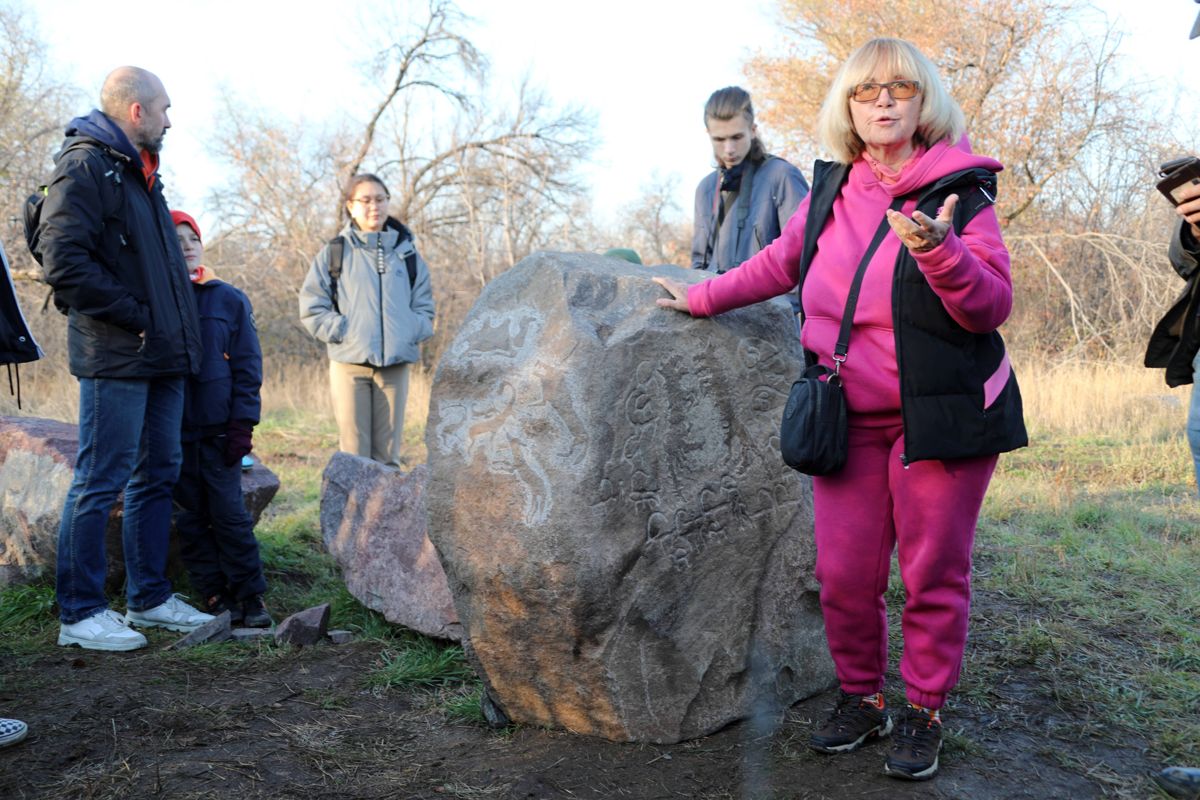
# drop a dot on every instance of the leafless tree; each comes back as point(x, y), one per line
point(656, 226)
point(1039, 83)
point(480, 181)
point(34, 109)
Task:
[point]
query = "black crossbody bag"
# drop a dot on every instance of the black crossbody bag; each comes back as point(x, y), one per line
point(814, 435)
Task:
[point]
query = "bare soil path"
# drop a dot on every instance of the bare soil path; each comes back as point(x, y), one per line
point(302, 724)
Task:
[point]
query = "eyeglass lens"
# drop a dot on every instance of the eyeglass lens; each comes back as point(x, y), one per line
point(898, 90)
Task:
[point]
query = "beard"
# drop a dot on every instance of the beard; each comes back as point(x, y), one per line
point(149, 142)
point(155, 144)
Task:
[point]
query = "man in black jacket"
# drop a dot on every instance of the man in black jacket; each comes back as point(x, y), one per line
point(110, 251)
point(1175, 343)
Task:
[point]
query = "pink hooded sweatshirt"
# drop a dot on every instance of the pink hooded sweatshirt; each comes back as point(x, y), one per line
point(970, 273)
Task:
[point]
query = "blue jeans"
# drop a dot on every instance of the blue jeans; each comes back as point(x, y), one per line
point(128, 439)
point(1193, 420)
point(215, 529)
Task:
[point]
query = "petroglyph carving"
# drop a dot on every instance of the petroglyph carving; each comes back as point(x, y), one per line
point(628, 554)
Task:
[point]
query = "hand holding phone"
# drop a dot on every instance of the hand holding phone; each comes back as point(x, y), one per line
point(1177, 176)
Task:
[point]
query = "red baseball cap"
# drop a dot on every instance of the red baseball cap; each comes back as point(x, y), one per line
point(184, 218)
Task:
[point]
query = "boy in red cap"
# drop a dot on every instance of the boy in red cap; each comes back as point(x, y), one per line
point(221, 408)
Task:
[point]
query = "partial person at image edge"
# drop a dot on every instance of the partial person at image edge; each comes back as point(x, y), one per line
point(1174, 345)
point(372, 319)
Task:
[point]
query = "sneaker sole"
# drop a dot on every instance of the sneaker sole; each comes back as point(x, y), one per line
point(89, 644)
point(857, 743)
point(14, 738)
point(923, 775)
point(171, 626)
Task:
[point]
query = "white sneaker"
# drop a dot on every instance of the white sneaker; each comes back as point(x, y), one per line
point(12, 731)
point(104, 630)
point(174, 615)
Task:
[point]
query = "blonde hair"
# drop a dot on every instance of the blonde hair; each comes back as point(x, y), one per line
point(941, 117)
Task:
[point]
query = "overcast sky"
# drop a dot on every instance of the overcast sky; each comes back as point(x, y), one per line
point(644, 67)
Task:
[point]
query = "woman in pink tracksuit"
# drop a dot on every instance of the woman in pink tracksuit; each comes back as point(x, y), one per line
point(931, 397)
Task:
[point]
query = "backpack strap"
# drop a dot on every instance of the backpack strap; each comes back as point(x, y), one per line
point(410, 261)
point(337, 255)
point(745, 194)
point(407, 248)
point(337, 251)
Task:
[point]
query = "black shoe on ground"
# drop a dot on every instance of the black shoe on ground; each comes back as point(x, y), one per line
point(853, 721)
point(219, 603)
point(915, 746)
point(255, 614)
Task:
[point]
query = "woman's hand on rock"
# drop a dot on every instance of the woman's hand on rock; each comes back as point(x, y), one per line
point(678, 299)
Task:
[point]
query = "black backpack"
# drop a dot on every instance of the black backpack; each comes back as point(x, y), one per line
point(337, 254)
point(32, 216)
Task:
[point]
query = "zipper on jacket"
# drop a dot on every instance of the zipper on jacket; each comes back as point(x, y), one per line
point(380, 268)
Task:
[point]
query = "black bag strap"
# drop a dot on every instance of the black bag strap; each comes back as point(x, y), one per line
point(337, 251)
point(843, 340)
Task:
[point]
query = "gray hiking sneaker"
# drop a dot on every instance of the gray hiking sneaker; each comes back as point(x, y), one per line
point(915, 746)
point(853, 721)
point(174, 615)
point(104, 630)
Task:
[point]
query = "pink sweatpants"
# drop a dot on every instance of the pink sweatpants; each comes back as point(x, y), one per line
point(929, 511)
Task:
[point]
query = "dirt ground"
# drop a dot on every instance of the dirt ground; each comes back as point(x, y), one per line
point(303, 724)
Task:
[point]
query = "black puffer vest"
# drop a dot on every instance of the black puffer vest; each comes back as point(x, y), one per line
point(942, 365)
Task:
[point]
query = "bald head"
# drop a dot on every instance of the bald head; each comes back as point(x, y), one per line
point(137, 102)
point(125, 86)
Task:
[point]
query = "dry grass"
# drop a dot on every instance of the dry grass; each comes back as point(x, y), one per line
point(290, 388)
point(1118, 401)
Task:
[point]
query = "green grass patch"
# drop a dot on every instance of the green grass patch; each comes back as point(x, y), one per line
point(414, 661)
point(26, 609)
point(463, 704)
point(1095, 548)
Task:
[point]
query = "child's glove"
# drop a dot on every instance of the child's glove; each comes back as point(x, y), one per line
point(238, 441)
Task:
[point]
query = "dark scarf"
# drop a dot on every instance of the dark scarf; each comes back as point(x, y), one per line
point(731, 179)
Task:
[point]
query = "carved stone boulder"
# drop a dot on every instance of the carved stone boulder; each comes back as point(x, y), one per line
point(37, 459)
point(629, 555)
point(373, 522)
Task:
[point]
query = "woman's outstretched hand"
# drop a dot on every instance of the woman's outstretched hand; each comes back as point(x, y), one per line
point(922, 232)
point(678, 300)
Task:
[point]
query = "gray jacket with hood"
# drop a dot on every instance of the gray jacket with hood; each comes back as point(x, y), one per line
point(379, 320)
point(778, 187)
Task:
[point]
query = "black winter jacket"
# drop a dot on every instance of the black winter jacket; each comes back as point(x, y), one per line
point(227, 386)
point(1176, 337)
point(942, 365)
point(16, 342)
point(110, 252)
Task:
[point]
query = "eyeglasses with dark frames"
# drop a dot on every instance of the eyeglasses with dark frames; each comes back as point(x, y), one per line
point(897, 90)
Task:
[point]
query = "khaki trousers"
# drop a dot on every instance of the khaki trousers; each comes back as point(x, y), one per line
point(368, 404)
